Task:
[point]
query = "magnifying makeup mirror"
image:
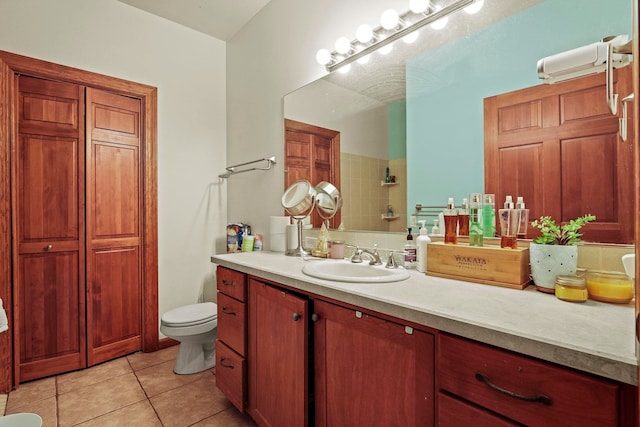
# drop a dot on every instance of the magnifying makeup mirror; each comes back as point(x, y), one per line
point(328, 201)
point(299, 200)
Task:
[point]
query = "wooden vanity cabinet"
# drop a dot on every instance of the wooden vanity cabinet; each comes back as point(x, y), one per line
point(290, 359)
point(370, 371)
point(231, 344)
point(278, 373)
point(523, 389)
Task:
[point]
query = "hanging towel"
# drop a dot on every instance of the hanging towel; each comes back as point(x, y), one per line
point(4, 322)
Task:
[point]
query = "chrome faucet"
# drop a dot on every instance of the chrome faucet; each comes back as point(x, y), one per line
point(374, 257)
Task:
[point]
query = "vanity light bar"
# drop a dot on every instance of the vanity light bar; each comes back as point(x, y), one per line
point(383, 37)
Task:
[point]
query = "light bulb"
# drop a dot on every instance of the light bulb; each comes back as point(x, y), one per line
point(323, 57)
point(474, 7)
point(418, 6)
point(440, 23)
point(343, 45)
point(364, 59)
point(344, 69)
point(389, 19)
point(364, 33)
point(386, 49)
point(411, 37)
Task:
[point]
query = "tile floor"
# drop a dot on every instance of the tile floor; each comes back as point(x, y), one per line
point(138, 390)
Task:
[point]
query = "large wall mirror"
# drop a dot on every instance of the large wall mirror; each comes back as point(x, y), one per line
point(419, 110)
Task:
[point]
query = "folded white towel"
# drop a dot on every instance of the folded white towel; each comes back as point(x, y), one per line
point(4, 322)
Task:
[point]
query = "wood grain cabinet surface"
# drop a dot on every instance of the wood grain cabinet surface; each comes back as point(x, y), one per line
point(231, 344)
point(526, 390)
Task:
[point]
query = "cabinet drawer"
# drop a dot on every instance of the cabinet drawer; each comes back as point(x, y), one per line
point(232, 283)
point(232, 323)
point(455, 413)
point(231, 372)
point(486, 375)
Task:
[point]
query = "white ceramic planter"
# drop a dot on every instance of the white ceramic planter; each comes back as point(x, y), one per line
point(549, 261)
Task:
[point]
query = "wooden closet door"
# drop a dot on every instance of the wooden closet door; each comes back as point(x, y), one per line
point(48, 225)
point(113, 225)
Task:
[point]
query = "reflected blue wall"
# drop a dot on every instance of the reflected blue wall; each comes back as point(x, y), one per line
point(446, 88)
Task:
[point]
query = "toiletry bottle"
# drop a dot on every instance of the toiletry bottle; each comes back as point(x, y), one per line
point(409, 251)
point(463, 218)
point(523, 218)
point(489, 215)
point(421, 248)
point(435, 230)
point(475, 220)
point(450, 223)
point(508, 225)
point(387, 177)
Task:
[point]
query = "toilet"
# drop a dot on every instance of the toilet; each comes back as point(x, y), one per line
point(21, 420)
point(195, 327)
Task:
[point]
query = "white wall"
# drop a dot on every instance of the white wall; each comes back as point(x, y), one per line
point(271, 56)
point(188, 68)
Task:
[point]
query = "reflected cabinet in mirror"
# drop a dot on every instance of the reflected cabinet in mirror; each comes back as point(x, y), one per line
point(421, 112)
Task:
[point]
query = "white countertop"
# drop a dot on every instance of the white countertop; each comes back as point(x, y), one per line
point(592, 336)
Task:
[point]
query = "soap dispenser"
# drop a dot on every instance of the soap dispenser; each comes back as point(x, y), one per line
point(435, 230)
point(451, 223)
point(409, 251)
point(421, 248)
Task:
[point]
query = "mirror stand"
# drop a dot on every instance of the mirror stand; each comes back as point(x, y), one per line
point(300, 250)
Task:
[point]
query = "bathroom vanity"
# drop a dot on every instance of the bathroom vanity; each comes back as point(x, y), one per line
point(294, 350)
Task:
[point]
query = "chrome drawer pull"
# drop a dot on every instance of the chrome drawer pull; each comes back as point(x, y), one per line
point(225, 365)
point(225, 310)
point(226, 283)
point(545, 400)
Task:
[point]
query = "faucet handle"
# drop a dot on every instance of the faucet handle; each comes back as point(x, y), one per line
point(357, 254)
point(391, 262)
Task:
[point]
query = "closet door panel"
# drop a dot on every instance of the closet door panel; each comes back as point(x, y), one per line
point(116, 207)
point(108, 288)
point(114, 276)
point(49, 188)
point(48, 216)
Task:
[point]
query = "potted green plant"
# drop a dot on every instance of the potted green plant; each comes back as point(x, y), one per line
point(554, 252)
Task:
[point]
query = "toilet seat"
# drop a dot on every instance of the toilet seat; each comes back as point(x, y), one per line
point(191, 315)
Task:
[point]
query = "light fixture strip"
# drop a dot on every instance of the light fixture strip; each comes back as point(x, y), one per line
point(377, 44)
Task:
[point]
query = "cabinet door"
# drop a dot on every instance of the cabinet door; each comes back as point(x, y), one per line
point(278, 357)
point(371, 372)
point(49, 229)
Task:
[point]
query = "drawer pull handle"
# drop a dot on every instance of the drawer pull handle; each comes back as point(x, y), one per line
point(225, 365)
point(225, 310)
point(545, 400)
point(227, 283)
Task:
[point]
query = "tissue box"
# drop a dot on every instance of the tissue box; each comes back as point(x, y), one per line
point(490, 265)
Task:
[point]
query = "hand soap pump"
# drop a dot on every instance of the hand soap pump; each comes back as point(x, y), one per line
point(409, 251)
point(421, 248)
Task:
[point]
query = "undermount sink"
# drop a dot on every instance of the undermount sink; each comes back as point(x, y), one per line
point(345, 271)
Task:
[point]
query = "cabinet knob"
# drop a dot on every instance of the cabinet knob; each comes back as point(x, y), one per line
point(315, 317)
point(296, 317)
point(48, 247)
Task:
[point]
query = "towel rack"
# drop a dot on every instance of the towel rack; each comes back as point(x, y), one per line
point(231, 170)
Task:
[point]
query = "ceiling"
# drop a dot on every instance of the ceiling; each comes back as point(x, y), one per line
point(221, 19)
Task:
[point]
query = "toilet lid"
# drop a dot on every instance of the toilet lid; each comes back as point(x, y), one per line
point(191, 315)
